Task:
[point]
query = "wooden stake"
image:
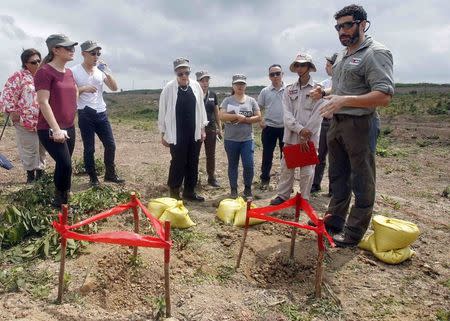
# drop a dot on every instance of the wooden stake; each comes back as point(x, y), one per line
point(319, 272)
point(136, 222)
point(241, 250)
point(294, 229)
point(62, 262)
point(166, 270)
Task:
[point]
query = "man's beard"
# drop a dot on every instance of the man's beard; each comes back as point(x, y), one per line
point(352, 40)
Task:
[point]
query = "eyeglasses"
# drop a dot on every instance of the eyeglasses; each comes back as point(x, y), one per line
point(34, 62)
point(346, 25)
point(301, 64)
point(70, 48)
point(183, 73)
point(275, 74)
point(95, 53)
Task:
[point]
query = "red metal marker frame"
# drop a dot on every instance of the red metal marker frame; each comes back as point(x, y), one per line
point(300, 204)
point(162, 240)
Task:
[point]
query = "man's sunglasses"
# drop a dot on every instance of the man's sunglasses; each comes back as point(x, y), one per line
point(183, 73)
point(275, 74)
point(95, 53)
point(301, 64)
point(346, 25)
point(34, 62)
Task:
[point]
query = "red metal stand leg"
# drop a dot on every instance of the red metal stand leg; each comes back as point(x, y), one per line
point(166, 270)
point(62, 263)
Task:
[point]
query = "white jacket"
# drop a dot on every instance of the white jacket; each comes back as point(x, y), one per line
point(167, 124)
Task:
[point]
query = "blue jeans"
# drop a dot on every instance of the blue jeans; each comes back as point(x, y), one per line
point(374, 132)
point(91, 123)
point(245, 151)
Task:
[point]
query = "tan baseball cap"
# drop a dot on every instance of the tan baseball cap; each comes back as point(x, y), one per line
point(239, 78)
point(89, 45)
point(302, 58)
point(59, 40)
point(202, 74)
point(181, 62)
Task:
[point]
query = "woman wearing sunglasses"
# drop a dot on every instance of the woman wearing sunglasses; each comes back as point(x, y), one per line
point(57, 98)
point(19, 100)
point(239, 112)
point(181, 122)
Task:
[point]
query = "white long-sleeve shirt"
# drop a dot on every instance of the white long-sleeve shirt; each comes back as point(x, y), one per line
point(167, 124)
point(301, 111)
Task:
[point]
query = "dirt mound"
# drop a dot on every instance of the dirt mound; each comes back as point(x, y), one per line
point(120, 283)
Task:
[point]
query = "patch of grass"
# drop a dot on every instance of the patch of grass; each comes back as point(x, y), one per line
point(447, 283)
point(224, 273)
point(135, 261)
point(182, 238)
point(78, 166)
point(391, 202)
point(293, 313)
point(443, 315)
point(159, 305)
point(423, 142)
point(22, 278)
point(25, 227)
point(326, 308)
point(383, 307)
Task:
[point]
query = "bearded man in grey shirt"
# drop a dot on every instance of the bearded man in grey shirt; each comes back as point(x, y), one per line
point(362, 81)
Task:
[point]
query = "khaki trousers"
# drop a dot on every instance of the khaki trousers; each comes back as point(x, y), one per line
point(31, 152)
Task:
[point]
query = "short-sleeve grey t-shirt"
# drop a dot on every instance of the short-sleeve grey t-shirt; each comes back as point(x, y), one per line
point(239, 132)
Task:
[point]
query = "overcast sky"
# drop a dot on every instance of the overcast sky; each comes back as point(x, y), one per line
point(141, 38)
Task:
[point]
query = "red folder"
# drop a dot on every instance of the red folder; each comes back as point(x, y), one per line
point(294, 157)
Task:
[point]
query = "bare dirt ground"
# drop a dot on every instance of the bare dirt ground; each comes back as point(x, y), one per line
point(105, 286)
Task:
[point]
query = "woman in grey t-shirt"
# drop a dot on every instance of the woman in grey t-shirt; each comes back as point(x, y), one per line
point(239, 112)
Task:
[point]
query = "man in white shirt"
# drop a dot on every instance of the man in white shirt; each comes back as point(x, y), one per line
point(92, 117)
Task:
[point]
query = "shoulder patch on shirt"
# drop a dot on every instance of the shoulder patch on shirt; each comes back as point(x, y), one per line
point(355, 61)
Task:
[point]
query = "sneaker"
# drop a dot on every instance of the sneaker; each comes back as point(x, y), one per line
point(248, 193)
point(233, 193)
point(315, 189)
point(264, 185)
point(277, 201)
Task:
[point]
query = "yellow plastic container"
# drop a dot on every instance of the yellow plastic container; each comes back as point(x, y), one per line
point(157, 206)
point(178, 216)
point(392, 233)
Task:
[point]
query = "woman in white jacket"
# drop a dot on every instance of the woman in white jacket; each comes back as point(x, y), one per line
point(181, 122)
